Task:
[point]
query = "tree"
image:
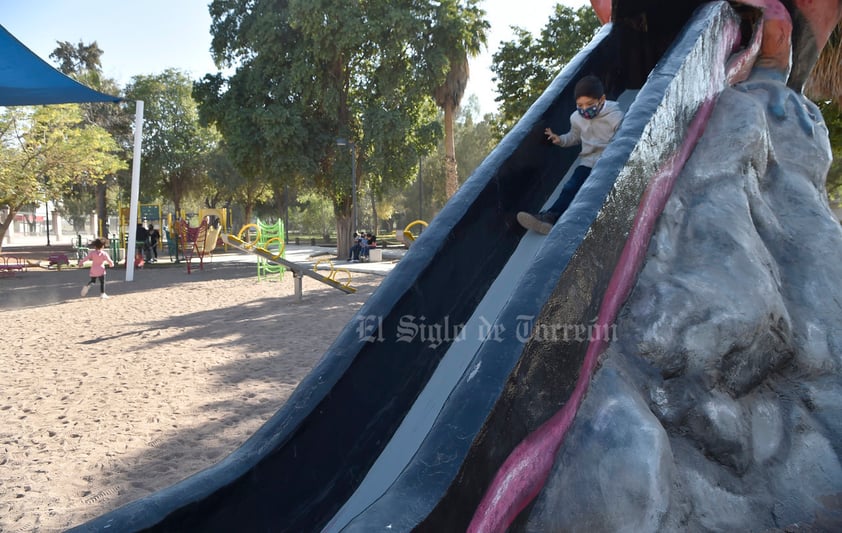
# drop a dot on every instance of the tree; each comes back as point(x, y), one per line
point(46, 151)
point(227, 183)
point(525, 67)
point(234, 107)
point(474, 141)
point(832, 113)
point(475, 138)
point(310, 72)
point(80, 58)
point(459, 32)
point(825, 87)
point(82, 62)
point(312, 215)
point(176, 147)
point(825, 80)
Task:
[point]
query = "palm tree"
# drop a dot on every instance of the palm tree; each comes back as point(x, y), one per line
point(460, 32)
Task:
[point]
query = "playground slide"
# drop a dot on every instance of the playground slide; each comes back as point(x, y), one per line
point(406, 419)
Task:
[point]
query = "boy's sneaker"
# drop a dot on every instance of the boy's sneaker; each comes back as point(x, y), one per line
point(541, 223)
point(85, 290)
point(104, 296)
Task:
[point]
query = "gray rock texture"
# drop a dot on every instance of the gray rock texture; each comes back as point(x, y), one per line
point(719, 405)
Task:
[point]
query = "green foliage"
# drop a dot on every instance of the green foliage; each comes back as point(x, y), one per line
point(47, 151)
point(80, 58)
point(313, 215)
point(525, 66)
point(832, 114)
point(227, 184)
point(459, 31)
point(223, 178)
point(176, 147)
point(397, 205)
point(82, 62)
point(311, 71)
point(77, 203)
point(474, 141)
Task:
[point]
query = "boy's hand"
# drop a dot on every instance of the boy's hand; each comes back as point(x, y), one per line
point(552, 137)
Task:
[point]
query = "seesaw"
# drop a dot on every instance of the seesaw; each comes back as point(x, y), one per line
point(55, 260)
point(298, 271)
point(406, 236)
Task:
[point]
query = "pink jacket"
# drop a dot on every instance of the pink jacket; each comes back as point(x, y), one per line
point(98, 259)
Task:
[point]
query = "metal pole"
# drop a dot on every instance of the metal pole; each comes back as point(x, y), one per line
point(420, 190)
point(135, 191)
point(47, 206)
point(354, 182)
point(286, 213)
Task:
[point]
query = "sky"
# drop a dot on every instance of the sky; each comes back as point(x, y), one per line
point(151, 36)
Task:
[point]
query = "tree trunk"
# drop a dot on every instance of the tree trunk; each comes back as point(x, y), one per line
point(344, 234)
point(4, 227)
point(101, 213)
point(451, 184)
point(375, 222)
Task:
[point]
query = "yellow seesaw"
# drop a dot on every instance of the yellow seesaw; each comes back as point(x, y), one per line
point(297, 270)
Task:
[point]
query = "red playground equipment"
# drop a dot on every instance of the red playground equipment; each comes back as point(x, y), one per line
point(198, 242)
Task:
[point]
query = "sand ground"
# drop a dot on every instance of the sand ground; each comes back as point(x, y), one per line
point(105, 401)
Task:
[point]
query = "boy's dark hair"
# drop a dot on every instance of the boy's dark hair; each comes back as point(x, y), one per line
point(98, 244)
point(589, 86)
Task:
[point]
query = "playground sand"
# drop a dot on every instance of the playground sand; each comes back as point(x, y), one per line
point(105, 401)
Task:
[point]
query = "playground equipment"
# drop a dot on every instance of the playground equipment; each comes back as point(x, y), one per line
point(80, 249)
point(216, 218)
point(9, 265)
point(56, 260)
point(332, 270)
point(445, 415)
point(196, 241)
point(406, 236)
point(172, 245)
point(269, 237)
point(298, 271)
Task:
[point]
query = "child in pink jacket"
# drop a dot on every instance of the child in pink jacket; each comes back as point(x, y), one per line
point(98, 258)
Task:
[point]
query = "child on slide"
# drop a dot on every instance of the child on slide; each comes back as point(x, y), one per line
point(592, 125)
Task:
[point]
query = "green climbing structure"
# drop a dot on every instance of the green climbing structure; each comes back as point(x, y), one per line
point(271, 238)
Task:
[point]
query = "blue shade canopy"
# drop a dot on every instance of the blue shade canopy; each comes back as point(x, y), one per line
point(26, 79)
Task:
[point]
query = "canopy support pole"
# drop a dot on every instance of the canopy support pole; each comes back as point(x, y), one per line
point(132, 223)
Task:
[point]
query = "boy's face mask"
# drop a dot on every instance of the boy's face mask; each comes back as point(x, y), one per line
point(591, 111)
